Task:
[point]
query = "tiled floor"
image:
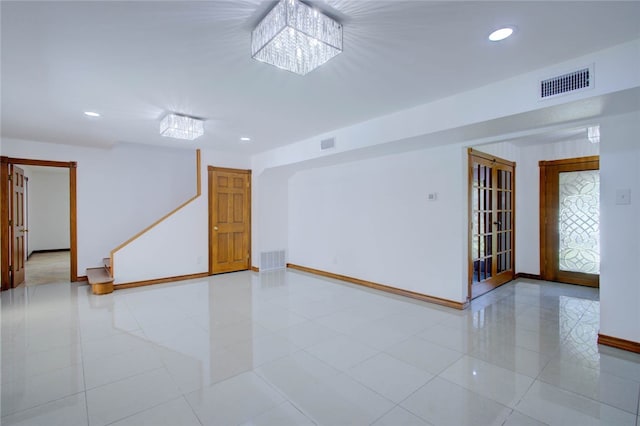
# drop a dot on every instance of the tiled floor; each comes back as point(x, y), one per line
point(286, 348)
point(46, 268)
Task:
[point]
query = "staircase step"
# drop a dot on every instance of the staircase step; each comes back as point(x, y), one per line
point(107, 264)
point(100, 280)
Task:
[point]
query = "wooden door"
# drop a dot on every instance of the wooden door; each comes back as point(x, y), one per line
point(26, 218)
point(18, 254)
point(492, 222)
point(229, 220)
point(570, 221)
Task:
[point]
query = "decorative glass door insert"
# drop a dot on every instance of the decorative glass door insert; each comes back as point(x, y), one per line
point(579, 222)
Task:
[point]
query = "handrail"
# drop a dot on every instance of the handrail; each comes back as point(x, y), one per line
point(163, 218)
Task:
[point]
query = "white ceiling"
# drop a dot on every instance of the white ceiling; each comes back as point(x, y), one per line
point(135, 61)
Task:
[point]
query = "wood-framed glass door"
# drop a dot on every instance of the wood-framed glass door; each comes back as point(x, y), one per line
point(492, 222)
point(570, 221)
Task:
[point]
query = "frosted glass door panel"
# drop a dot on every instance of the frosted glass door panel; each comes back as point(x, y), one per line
point(579, 221)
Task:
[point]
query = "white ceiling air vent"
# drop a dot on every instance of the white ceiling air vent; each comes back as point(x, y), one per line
point(570, 82)
point(327, 143)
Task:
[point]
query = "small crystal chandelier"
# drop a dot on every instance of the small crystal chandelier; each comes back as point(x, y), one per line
point(181, 127)
point(296, 37)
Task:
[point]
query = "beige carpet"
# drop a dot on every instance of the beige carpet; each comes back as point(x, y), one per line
point(46, 268)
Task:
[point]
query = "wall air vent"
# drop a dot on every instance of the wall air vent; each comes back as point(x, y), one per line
point(565, 83)
point(327, 143)
point(271, 260)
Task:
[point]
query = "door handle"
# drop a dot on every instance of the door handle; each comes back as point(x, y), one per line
point(497, 223)
point(215, 228)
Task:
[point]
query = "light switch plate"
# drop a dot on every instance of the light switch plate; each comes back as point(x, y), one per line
point(433, 196)
point(623, 196)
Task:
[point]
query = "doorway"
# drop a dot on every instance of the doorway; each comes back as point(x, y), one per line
point(46, 225)
point(12, 223)
point(492, 222)
point(570, 221)
point(229, 220)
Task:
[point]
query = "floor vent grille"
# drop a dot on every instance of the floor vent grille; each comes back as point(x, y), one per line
point(270, 260)
point(576, 80)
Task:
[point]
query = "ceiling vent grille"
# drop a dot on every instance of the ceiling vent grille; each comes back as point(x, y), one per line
point(327, 143)
point(570, 82)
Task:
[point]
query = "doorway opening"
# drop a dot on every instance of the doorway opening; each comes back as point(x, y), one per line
point(492, 222)
point(229, 220)
point(46, 199)
point(570, 221)
point(14, 218)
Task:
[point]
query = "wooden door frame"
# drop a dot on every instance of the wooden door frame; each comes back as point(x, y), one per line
point(549, 237)
point(26, 215)
point(4, 214)
point(493, 159)
point(210, 170)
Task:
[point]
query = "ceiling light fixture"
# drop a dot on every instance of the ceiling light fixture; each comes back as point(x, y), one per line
point(296, 37)
point(593, 134)
point(91, 114)
point(245, 139)
point(500, 34)
point(181, 127)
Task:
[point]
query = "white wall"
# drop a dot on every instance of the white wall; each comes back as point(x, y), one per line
point(510, 105)
point(175, 247)
point(48, 207)
point(620, 227)
point(120, 191)
point(505, 109)
point(270, 221)
point(371, 220)
point(179, 245)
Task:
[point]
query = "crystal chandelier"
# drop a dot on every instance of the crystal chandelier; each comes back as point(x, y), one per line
point(181, 127)
point(296, 37)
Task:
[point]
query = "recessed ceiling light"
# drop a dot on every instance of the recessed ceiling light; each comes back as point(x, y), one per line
point(245, 139)
point(91, 114)
point(501, 34)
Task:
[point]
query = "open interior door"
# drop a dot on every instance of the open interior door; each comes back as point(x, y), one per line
point(18, 238)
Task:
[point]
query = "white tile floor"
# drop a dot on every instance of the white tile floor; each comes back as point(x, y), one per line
point(286, 348)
